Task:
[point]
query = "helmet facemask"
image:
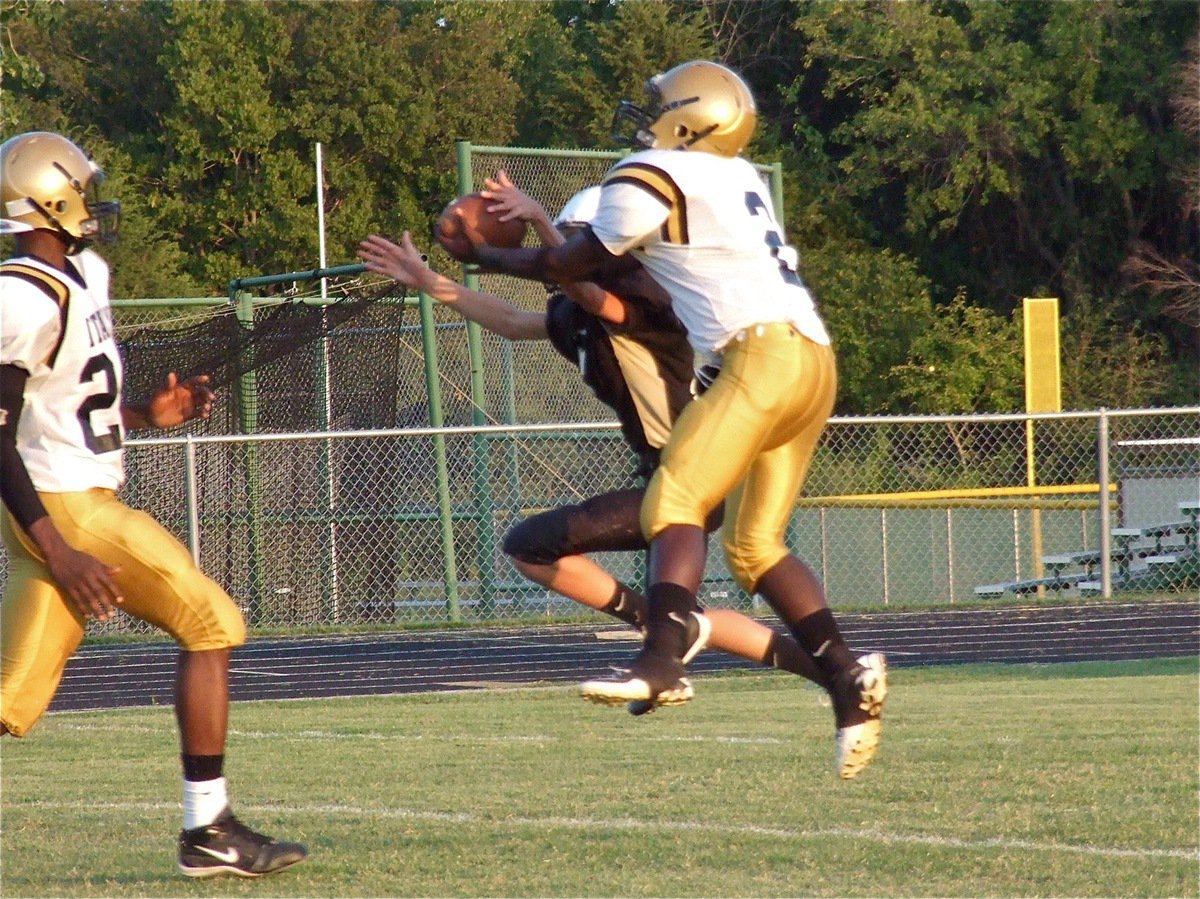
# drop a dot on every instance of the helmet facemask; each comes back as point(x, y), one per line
point(631, 123)
point(104, 223)
point(104, 216)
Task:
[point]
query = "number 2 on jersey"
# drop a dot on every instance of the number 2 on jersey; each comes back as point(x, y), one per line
point(98, 402)
point(784, 254)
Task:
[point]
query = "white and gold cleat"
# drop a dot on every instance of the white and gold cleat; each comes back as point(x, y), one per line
point(858, 743)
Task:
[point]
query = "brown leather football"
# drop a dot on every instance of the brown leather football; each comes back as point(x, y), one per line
point(473, 209)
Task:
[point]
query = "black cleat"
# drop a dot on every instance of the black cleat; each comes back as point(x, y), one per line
point(698, 629)
point(654, 678)
point(227, 846)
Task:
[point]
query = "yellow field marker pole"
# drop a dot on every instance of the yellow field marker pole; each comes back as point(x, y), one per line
point(1043, 392)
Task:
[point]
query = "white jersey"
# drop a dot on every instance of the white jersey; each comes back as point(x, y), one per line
point(704, 227)
point(59, 329)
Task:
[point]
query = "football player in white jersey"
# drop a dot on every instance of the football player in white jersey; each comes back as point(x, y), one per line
point(696, 216)
point(75, 551)
point(635, 358)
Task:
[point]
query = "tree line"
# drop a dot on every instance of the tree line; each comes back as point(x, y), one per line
point(942, 160)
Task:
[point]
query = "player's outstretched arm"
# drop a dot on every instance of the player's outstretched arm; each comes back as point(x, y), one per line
point(402, 263)
point(575, 260)
point(512, 202)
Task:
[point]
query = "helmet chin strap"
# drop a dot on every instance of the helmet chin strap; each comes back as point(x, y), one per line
point(73, 244)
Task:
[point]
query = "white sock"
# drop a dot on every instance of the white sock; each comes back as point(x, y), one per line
point(203, 800)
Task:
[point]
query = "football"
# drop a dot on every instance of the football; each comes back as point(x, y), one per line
point(473, 210)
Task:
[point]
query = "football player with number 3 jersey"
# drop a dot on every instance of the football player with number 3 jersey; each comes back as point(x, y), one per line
point(696, 216)
point(75, 550)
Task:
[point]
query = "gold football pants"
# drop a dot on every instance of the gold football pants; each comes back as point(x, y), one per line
point(158, 579)
point(750, 437)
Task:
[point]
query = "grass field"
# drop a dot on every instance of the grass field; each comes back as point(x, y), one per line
point(1052, 780)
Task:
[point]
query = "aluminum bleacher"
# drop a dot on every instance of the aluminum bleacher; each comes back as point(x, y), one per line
point(1154, 557)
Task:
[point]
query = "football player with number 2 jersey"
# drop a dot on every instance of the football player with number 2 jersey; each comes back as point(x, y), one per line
point(695, 214)
point(75, 550)
point(634, 356)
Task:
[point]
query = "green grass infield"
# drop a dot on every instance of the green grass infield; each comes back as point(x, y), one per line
point(997, 780)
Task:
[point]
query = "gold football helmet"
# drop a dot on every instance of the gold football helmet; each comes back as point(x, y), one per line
point(697, 105)
point(48, 183)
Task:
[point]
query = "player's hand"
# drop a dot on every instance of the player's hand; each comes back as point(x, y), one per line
point(86, 581)
point(89, 584)
point(511, 201)
point(402, 262)
point(176, 402)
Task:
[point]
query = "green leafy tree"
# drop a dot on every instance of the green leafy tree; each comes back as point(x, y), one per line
point(1105, 363)
point(1023, 136)
point(969, 359)
point(875, 304)
point(96, 83)
point(1171, 271)
point(230, 183)
point(1014, 148)
point(145, 262)
point(258, 86)
point(594, 55)
point(990, 150)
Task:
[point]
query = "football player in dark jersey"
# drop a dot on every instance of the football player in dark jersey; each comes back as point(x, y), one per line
point(636, 360)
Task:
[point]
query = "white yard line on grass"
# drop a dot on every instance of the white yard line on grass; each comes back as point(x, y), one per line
point(631, 824)
point(332, 735)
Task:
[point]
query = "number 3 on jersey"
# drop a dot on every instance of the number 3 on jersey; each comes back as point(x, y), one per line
point(785, 255)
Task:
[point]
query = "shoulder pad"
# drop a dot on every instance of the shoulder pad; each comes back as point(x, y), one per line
point(56, 289)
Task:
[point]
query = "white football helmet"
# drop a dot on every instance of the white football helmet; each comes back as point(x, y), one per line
point(48, 183)
point(580, 209)
point(697, 105)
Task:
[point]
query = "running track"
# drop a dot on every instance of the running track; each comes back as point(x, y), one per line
point(131, 674)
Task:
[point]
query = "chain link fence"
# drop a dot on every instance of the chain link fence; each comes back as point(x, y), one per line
point(404, 526)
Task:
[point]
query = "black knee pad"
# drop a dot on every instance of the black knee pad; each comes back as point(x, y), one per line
point(540, 540)
point(606, 523)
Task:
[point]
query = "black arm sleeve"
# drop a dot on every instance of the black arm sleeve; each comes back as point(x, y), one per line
point(577, 258)
point(16, 488)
